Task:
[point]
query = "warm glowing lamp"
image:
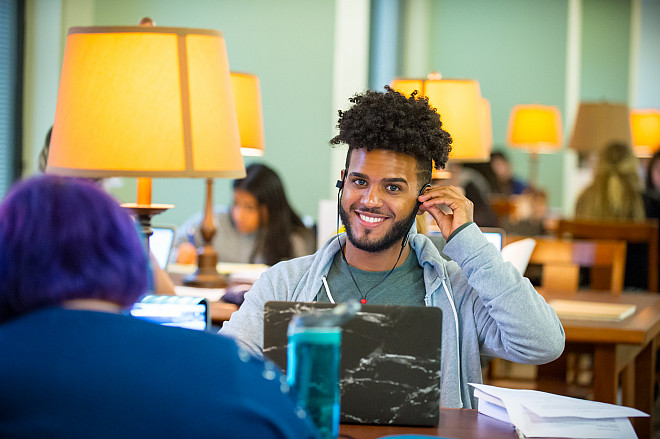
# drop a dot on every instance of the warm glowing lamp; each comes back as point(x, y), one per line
point(645, 126)
point(536, 128)
point(464, 112)
point(247, 100)
point(144, 101)
point(598, 124)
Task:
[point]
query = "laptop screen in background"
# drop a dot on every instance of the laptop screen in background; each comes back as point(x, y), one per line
point(184, 312)
point(494, 236)
point(160, 244)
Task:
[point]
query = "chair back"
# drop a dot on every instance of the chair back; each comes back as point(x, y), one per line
point(631, 232)
point(561, 261)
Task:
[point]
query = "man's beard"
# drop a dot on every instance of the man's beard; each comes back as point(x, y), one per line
point(395, 234)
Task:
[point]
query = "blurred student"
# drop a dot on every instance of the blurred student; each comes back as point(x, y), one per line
point(74, 365)
point(260, 227)
point(614, 193)
point(505, 182)
point(651, 193)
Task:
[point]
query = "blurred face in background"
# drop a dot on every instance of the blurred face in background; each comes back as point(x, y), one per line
point(246, 212)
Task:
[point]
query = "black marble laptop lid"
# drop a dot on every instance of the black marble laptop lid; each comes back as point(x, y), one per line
point(390, 360)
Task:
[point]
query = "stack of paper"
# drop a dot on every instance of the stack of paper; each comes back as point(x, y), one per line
point(540, 414)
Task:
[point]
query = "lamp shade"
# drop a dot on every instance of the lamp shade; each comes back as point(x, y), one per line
point(599, 123)
point(535, 127)
point(247, 100)
point(145, 102)
point(645, 126)
point(464, 112)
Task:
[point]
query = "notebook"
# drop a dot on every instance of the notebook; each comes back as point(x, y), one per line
point(160, 244)
point(390, 360)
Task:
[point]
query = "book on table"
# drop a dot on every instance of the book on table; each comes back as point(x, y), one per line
point(576, 309)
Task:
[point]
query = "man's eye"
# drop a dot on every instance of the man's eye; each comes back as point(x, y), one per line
point(392, 188)
point(359, 182)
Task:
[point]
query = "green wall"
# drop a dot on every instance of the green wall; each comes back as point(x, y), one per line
point(289, 45)
point(516, 49)
point(605, 50)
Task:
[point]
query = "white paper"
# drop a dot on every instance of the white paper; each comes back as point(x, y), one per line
point(540, 414)
point(532, 425)
point(212, 294)
point(551, 405)
point(494, 411)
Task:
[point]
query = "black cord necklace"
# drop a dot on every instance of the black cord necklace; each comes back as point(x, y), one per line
point(364, 295)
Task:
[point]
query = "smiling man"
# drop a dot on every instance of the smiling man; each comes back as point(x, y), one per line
point(487, 305)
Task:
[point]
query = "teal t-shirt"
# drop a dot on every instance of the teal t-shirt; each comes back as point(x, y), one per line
point(405, 286)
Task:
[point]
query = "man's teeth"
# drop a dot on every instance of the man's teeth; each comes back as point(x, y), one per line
point(371, 219)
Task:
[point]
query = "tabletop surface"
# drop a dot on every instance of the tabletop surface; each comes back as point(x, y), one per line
point(454, 423)
point(638, 328)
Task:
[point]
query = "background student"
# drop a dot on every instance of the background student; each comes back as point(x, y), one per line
point(260, 226)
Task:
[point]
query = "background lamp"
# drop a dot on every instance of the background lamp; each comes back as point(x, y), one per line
point(144, 101)
point(247, 101)
point(599, 123)
point(537, 129)
point(465, 114)
point(645, 126)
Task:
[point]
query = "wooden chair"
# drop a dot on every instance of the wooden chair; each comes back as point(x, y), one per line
point(631, 232)
point(560, 262)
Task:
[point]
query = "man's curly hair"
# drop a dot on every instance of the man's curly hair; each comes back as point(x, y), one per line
point(394, 122)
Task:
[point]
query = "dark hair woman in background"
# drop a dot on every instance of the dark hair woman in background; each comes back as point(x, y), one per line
point(260, 226)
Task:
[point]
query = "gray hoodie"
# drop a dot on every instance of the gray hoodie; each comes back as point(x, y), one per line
point(487, 306)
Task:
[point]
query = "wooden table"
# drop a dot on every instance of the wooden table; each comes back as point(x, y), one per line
point(454, 423)
point(624, 350)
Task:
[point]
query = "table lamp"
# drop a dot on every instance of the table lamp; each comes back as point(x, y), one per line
point(145, 101)
point(464, 112)
point(645, 127)
point(537, 129)
point(247, 101)
point(599, 123)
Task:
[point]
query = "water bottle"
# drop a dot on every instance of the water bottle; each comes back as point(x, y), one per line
point(313, 356)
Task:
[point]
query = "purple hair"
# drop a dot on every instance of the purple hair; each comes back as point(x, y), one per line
point(64, 238)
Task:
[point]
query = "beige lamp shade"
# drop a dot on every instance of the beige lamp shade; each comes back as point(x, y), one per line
point(464, 112)
point(535, 127)
point(247, 101)
point(599, 123)
point(145, 102)
point(645, 126)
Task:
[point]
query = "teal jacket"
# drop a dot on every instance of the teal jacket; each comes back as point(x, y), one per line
point(487, 307)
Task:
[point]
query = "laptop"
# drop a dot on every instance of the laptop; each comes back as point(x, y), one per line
point(494, 235)
point(390, 360)
point(160, 244)
point(183, 312)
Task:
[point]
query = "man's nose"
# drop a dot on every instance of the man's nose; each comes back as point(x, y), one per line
point(373, 197)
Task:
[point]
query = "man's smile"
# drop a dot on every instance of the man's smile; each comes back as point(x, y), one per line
point(371, 219)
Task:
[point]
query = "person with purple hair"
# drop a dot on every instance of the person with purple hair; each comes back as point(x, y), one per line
point(74, 365)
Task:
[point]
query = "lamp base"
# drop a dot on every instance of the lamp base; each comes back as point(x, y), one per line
point(206, 275)
point(144, 212)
